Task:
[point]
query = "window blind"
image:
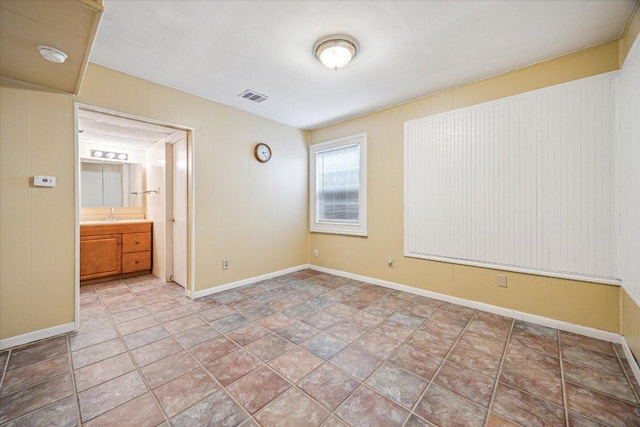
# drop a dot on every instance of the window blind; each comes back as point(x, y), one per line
point(525, 183)
point(337, 184)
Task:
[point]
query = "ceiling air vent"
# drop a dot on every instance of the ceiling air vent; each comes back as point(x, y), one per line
point(254, 96)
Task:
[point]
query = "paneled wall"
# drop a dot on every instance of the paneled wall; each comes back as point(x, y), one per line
point(525, 183)
point(253, 214)
point(588, 304)
point(629, 185)
point(36, 223)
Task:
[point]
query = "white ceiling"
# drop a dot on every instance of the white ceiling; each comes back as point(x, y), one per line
point(103, 128)
point(408, 49)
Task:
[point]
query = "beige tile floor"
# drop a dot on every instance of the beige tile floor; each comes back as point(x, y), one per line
point(309, 349)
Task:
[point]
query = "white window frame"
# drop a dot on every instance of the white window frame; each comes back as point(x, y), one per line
point(355, 229)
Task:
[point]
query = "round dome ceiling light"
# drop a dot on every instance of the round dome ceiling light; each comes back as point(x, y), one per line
point(335, 51)
point(52, 54)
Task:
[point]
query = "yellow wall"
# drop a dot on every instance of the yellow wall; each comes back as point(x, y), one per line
point(631, 324)
point(587, 304)
point(253, 214)
point(36, 224)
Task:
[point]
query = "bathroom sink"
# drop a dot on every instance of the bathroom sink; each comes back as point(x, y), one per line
point(102, 221)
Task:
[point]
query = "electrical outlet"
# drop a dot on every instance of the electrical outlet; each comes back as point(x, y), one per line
point(502, 281)
point(390, 262)
point(315, 252)
point(225, 264)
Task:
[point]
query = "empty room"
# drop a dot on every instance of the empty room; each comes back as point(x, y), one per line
point(319, 213)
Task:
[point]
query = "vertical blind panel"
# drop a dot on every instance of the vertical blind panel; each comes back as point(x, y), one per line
point(526, 182)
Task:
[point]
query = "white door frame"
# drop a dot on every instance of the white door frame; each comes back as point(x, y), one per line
point(170, 180)
point(191, 248)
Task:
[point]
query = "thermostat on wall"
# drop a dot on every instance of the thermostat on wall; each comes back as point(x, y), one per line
point(44, 181)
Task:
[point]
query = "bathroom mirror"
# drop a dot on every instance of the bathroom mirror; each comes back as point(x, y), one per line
point(110, 184)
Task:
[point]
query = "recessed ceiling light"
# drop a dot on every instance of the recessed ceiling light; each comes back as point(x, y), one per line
point(335, 51)
point(52, 54)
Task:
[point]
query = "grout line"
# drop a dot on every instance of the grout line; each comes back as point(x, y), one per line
point(441, 308)
point(128, 351)
point(497, 381)
point(5, 367)
point(444, 360)
point(186, 349)
point(73, 380)
point(68, 354)
point(293, 385)
point(629, 377)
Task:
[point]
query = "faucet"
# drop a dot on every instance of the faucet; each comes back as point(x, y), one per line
point(112, 217)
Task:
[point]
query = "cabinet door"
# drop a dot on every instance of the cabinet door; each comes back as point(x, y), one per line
point(100, 256)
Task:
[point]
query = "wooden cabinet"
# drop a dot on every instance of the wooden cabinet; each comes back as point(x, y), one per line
point(113, 250)
point(99, 256)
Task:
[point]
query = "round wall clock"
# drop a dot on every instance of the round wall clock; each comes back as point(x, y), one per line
point(262, 152)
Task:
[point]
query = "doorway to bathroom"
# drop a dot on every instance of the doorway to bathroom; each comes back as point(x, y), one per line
point(131, 169)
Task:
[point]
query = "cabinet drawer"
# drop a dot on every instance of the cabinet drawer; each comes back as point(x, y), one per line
point(136, 242)
point(136, 261)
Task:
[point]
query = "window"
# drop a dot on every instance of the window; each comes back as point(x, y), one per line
point(339, 186)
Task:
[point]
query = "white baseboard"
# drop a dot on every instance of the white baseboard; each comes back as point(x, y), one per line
point(237, 284)
point(37, 335)
point(514, 314)
point(632, 360)
point(540, 320)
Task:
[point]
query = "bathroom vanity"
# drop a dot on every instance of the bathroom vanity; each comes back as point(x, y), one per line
point(110, 250)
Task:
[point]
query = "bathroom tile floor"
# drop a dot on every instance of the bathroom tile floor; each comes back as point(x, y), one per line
point(309, 349)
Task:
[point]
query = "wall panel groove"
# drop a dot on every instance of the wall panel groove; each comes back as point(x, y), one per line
point(525, 182)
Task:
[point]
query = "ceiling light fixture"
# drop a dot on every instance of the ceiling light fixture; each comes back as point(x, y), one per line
point(335, 51)
point(109, 155)
point(52, 54)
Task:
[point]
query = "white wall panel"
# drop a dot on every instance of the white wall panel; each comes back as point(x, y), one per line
point(525, 183)
point(629, 168)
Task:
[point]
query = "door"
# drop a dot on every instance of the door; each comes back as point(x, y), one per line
point(180, 212)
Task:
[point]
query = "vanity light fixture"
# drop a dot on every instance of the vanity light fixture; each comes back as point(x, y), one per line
point(335, 51)
point(52, 54)
point(109, 155)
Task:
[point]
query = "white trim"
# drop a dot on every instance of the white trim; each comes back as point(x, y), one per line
point(237, 284)
point(359, 229)
point(514, 314)
point(190, 208)
point(76, 219)
point(597, 77)
point(37, 335)
point(636, 42)
point(570, 276)
point(635, 369)
point(632, 294)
